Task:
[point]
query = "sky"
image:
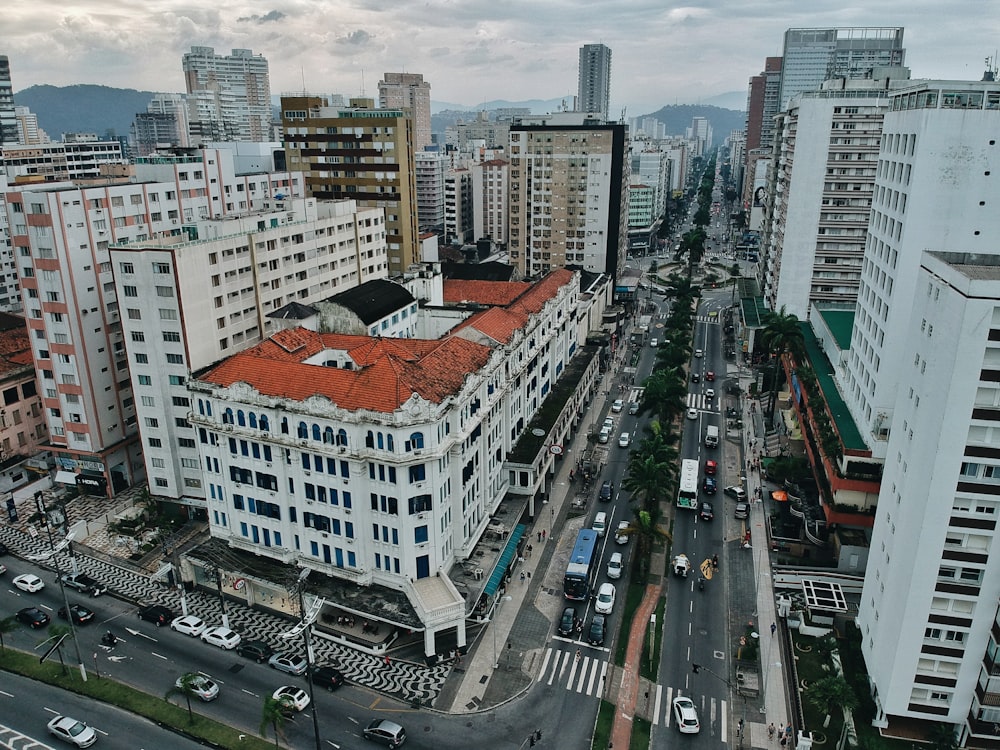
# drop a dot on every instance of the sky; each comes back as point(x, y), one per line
point(471, 51)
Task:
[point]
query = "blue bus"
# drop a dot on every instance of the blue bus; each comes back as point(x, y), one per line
point(582, 569)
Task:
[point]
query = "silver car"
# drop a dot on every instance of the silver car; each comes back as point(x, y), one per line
point(289, 663)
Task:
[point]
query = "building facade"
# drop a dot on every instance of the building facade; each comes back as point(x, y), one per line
point(594, 80)
point(237, 89)
point(54, 162)
point(411, 92)
point(490, 185)
point(430, 168)
point(8, 119)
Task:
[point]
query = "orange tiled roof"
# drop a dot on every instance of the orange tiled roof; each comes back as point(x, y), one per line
point(483, 292)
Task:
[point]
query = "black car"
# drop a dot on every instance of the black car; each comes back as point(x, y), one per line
point(156, 614)
point(568, 622)
point(256, 650)
point(3, 549)
point(710, 486)
point(327, 677)
point(607, 489)
point(81, 615)
point(595, 637)
point(33, 617)
point(707, 512)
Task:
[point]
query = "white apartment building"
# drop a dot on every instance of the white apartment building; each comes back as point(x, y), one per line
point(231, 95)
point(379, 462)
point(61, 235)
point(651, 167)
point(920, 382)
point(458, 220)
point(409, 91)
point(640, 205)
point(54, 162)
point(490, 186)
point(213, 290)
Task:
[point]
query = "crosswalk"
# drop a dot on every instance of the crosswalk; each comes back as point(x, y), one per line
point(711, 711)
point(701, 402)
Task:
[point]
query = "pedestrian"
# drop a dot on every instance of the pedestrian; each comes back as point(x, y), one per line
point(529, 575)
point(530, 550)
point(388, 663)
point(539, 536)
point(788, 731)
point(784, 741)
point(578, 654)
point(774, 628)
point(770, 731)
point(543, 535)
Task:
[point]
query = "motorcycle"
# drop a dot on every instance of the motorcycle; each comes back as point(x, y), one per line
point(701, 584)
point(109, 639)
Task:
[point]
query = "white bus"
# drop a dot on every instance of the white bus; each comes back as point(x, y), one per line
point(687, 496)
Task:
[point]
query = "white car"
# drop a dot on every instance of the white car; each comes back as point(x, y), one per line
point(609, 424)
point(289, 663)
point(686, 716)
point(605, 599)
point(710, 393)
point(618, 405)
point(222, 637)
point(205, 688)
point(654, 343)
point(621, 538)
point(615, 565)
point(692, 413)
point(29, 582)
point(189, 624)
point(698, 353)
point(624, 440)
point(293, 697)
point(73, 731)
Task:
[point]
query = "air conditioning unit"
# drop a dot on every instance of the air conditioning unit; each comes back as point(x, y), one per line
point(343, 450)
point(347, 511)
point(307, 473)
point(325, 535)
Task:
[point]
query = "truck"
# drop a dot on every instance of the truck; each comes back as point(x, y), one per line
point(681, 566)
point(711, 436)
point(84, 583)
point(592, 461)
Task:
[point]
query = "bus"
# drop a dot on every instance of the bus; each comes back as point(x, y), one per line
point(687, 496)
point(582, 569)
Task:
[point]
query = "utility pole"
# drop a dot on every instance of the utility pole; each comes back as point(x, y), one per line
point(741, 730)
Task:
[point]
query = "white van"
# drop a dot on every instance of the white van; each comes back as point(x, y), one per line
point(600, 524)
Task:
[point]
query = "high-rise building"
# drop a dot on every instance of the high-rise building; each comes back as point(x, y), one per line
point(164, 123)
point(812, 56)
point(569, 178)
point(232, 95)
point(28, 131)
point(921, 382)
point(362, 153)
point(489, 199)
point(409, 91)
point(594, 85)
point(8, 120)
point(762, 104)
point(459, 226)
point(431, 167)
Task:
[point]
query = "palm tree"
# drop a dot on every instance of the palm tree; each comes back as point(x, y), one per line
point(942, 737)
point(273, 715)
point(832, 692)
point(185, 687)
point(646, 531)
point(781, 334)
point(55, 633)
point(647, 479)
point(664, 394)
point(7, 625)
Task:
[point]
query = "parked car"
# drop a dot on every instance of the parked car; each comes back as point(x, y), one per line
point(615, 565)
point(595, 636)
point(3, 569)
point(222, 637)
point(607, 490)
point(609, 424)
point(604, 436)
point(709, 486)
point(289, 663)
point(388, 733)
point(617, 405)
point(29, 583)
point(156, 614)
point(81, 615)
point(256, 650)
point(84, 583)
point(294, 697)
point(206, 689)
point(72, 731)
point(605, 599)
point(568, 621)
point(742, 510)
point(327, 677)
point(189, 625)
point(33, 617)
point(707, 513)
point(686, 715)
point(3, 549)
point(737, 492)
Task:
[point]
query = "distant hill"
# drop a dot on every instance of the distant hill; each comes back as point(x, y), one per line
point(83, 108)
point(677, 118)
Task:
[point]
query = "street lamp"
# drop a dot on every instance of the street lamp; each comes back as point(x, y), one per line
point(496, 616)
point(743, 721)
point(303, 627)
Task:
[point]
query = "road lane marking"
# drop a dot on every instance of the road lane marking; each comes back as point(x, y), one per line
point(656, 704)
point(158, 656)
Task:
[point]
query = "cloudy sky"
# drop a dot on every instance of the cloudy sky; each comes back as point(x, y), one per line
point(663, 51)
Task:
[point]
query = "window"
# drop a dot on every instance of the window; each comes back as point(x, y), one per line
point(145, 380)
point(175, 359)
point(138, 336)
point(171, 336)
point(130, 291)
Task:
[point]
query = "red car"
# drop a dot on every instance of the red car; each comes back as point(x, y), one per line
point(709, 376)
point(711, 467)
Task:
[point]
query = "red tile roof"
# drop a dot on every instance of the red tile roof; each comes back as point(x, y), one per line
point(386, 371)
point(483, 292)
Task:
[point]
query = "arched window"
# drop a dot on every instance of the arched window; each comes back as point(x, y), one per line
point(208, 408)
point(265, 424)
point(303, 430)
point(227, 416)
point(416, 442)
point(370, 439)
point(342, 437)
point(252, 420)
point(380, 439)
point(389, 443)
point(328, 436)
point(201, 407)
point(241, 418)
point(316, 433)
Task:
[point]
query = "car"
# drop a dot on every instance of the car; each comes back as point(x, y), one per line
point(33, 617)
point(633, 407)
point(707, 512)
point(685, 715)
point(654, 343)
point(711, 467)
point(615, 565)
point(156, 614)
point(189, 625)
point(624, 440)
point(81, 615)
point(3, 569)
point(595, 636)
point(695, 377)
point(289, 663)
point(256, 650)
point(222, 637)
point(709, 486)
point(604, 436)
point(607, 490)
point(73, 731)
point(327, 677)
point(621, 538)
point(618, 405)
point(84, 583)
point(3, 549)
point(737, 492)
point(698, 353)
point(692, 413)
point(29, 582)
point(389, 733)
point(742, 510)
point(709, 376)
point(567, 623)
point(294, 697)
point(202, 686)
point(609, 424)
point(710, 393)
point(605, 599)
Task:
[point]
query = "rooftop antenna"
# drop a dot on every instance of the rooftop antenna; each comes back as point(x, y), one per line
point(303, 72)
point(362, 82)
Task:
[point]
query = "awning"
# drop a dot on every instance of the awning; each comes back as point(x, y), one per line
point(66, 477)
point(496, 577)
